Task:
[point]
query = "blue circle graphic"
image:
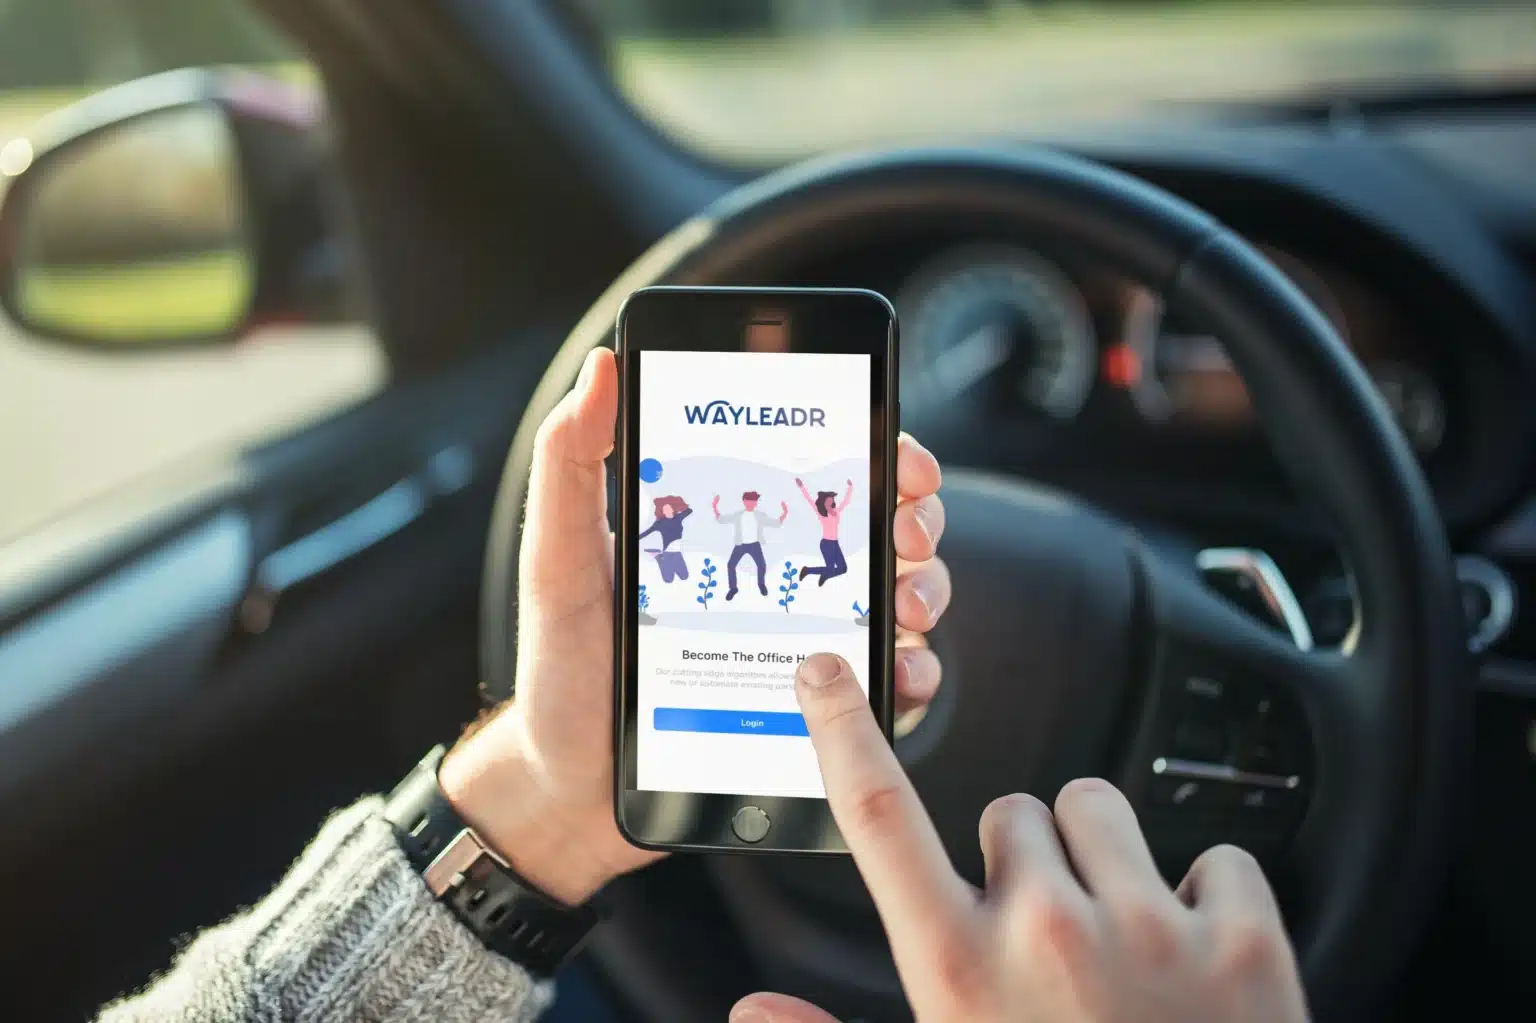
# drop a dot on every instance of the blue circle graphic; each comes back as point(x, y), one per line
point(650, 470)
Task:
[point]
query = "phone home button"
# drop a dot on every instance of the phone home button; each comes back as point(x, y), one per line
point(751, 824)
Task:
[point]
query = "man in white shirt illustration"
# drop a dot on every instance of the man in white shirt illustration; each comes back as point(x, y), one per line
point(749, 524)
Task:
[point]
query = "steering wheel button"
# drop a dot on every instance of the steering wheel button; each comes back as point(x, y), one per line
point(1204, 735)
point(1263, 800)
point(1265, 749)
point(1201, 686)
point(1185, 795)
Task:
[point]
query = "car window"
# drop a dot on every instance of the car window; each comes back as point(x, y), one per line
point(767, 81)
point(78, 421)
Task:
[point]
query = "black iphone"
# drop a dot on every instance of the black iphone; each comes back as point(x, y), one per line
point(757, 453)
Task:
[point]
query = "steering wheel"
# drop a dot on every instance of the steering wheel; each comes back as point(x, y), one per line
point(1072, 647)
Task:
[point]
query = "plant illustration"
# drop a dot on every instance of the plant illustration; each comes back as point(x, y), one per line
point(857, 610)
point(788, 586)
point(707, 584)
point(644, 600)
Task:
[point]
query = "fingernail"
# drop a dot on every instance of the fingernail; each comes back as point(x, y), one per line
point(749, 1014)
point(922, 590)
point(921, 513)
point(820, 670)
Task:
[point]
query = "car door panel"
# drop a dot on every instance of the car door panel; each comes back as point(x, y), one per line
point(126, 646)
point(290, 628)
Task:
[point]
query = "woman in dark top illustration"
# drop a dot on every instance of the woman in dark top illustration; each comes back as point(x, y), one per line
point(830, 511)
point(670, 513)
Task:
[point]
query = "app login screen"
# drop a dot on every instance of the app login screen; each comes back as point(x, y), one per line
point(754, 553)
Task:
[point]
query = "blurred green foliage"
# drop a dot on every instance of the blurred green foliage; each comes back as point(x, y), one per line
point(194, 296)
point(52, 44)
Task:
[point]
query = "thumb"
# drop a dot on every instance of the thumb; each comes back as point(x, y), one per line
point(565, 559)
point(766, 1007)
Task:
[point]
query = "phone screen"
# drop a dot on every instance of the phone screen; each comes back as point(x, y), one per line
point(754, 552)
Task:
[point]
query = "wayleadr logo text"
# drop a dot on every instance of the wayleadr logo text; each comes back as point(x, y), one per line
point(722, 413)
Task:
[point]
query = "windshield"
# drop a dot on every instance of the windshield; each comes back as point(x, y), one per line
point(767, 80)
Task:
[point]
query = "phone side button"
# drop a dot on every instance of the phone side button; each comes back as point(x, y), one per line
point(751, 824)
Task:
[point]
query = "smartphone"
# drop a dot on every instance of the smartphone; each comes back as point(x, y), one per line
point(757, 453)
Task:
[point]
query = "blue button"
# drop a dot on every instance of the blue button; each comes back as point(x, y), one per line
point(728, 722)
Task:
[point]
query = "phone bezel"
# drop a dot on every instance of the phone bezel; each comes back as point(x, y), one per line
point(716, 319)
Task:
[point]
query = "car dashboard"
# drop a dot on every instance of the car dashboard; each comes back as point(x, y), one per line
point(1025, 356)
point(1074, 367)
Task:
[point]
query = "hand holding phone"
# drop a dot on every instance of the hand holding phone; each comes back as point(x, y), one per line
point(724, 392)
point(536, 779)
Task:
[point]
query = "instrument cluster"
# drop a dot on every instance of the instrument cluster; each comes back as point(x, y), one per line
point(1058, 343)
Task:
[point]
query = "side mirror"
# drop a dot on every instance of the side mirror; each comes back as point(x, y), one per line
point(178, 209)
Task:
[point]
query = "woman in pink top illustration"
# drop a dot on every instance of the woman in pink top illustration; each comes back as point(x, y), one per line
point(830, 510)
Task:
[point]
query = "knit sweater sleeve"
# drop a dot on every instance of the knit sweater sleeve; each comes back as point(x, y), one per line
point(351, 933)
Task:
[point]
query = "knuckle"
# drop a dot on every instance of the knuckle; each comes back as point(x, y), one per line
point(1148, 930)
point(960, 967)
point(552, 433)
point(1248, 947)
point(1045, 920)
point(836, 712)
point(879, 810)
point(1234, 855)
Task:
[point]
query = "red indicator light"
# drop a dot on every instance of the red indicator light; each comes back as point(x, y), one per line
point(1122, 366)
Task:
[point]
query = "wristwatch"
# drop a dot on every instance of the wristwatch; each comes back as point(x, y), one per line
point(510, 915)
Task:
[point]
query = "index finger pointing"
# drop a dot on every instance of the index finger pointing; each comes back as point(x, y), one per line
point(916, 890)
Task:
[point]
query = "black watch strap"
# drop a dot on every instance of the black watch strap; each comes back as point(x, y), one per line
point(511, 916)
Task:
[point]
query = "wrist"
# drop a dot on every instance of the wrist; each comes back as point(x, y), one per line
point(499, 794)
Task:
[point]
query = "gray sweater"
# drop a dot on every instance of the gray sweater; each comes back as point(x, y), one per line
point(350, 934)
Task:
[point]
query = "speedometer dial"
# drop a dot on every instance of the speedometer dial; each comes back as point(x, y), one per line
point(998, 316)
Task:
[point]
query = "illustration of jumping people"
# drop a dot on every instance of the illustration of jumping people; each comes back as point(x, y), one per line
point(749, 524)
point(830, 510)
point(670, 513)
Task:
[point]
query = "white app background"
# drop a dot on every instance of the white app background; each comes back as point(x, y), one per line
point(721, 671)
